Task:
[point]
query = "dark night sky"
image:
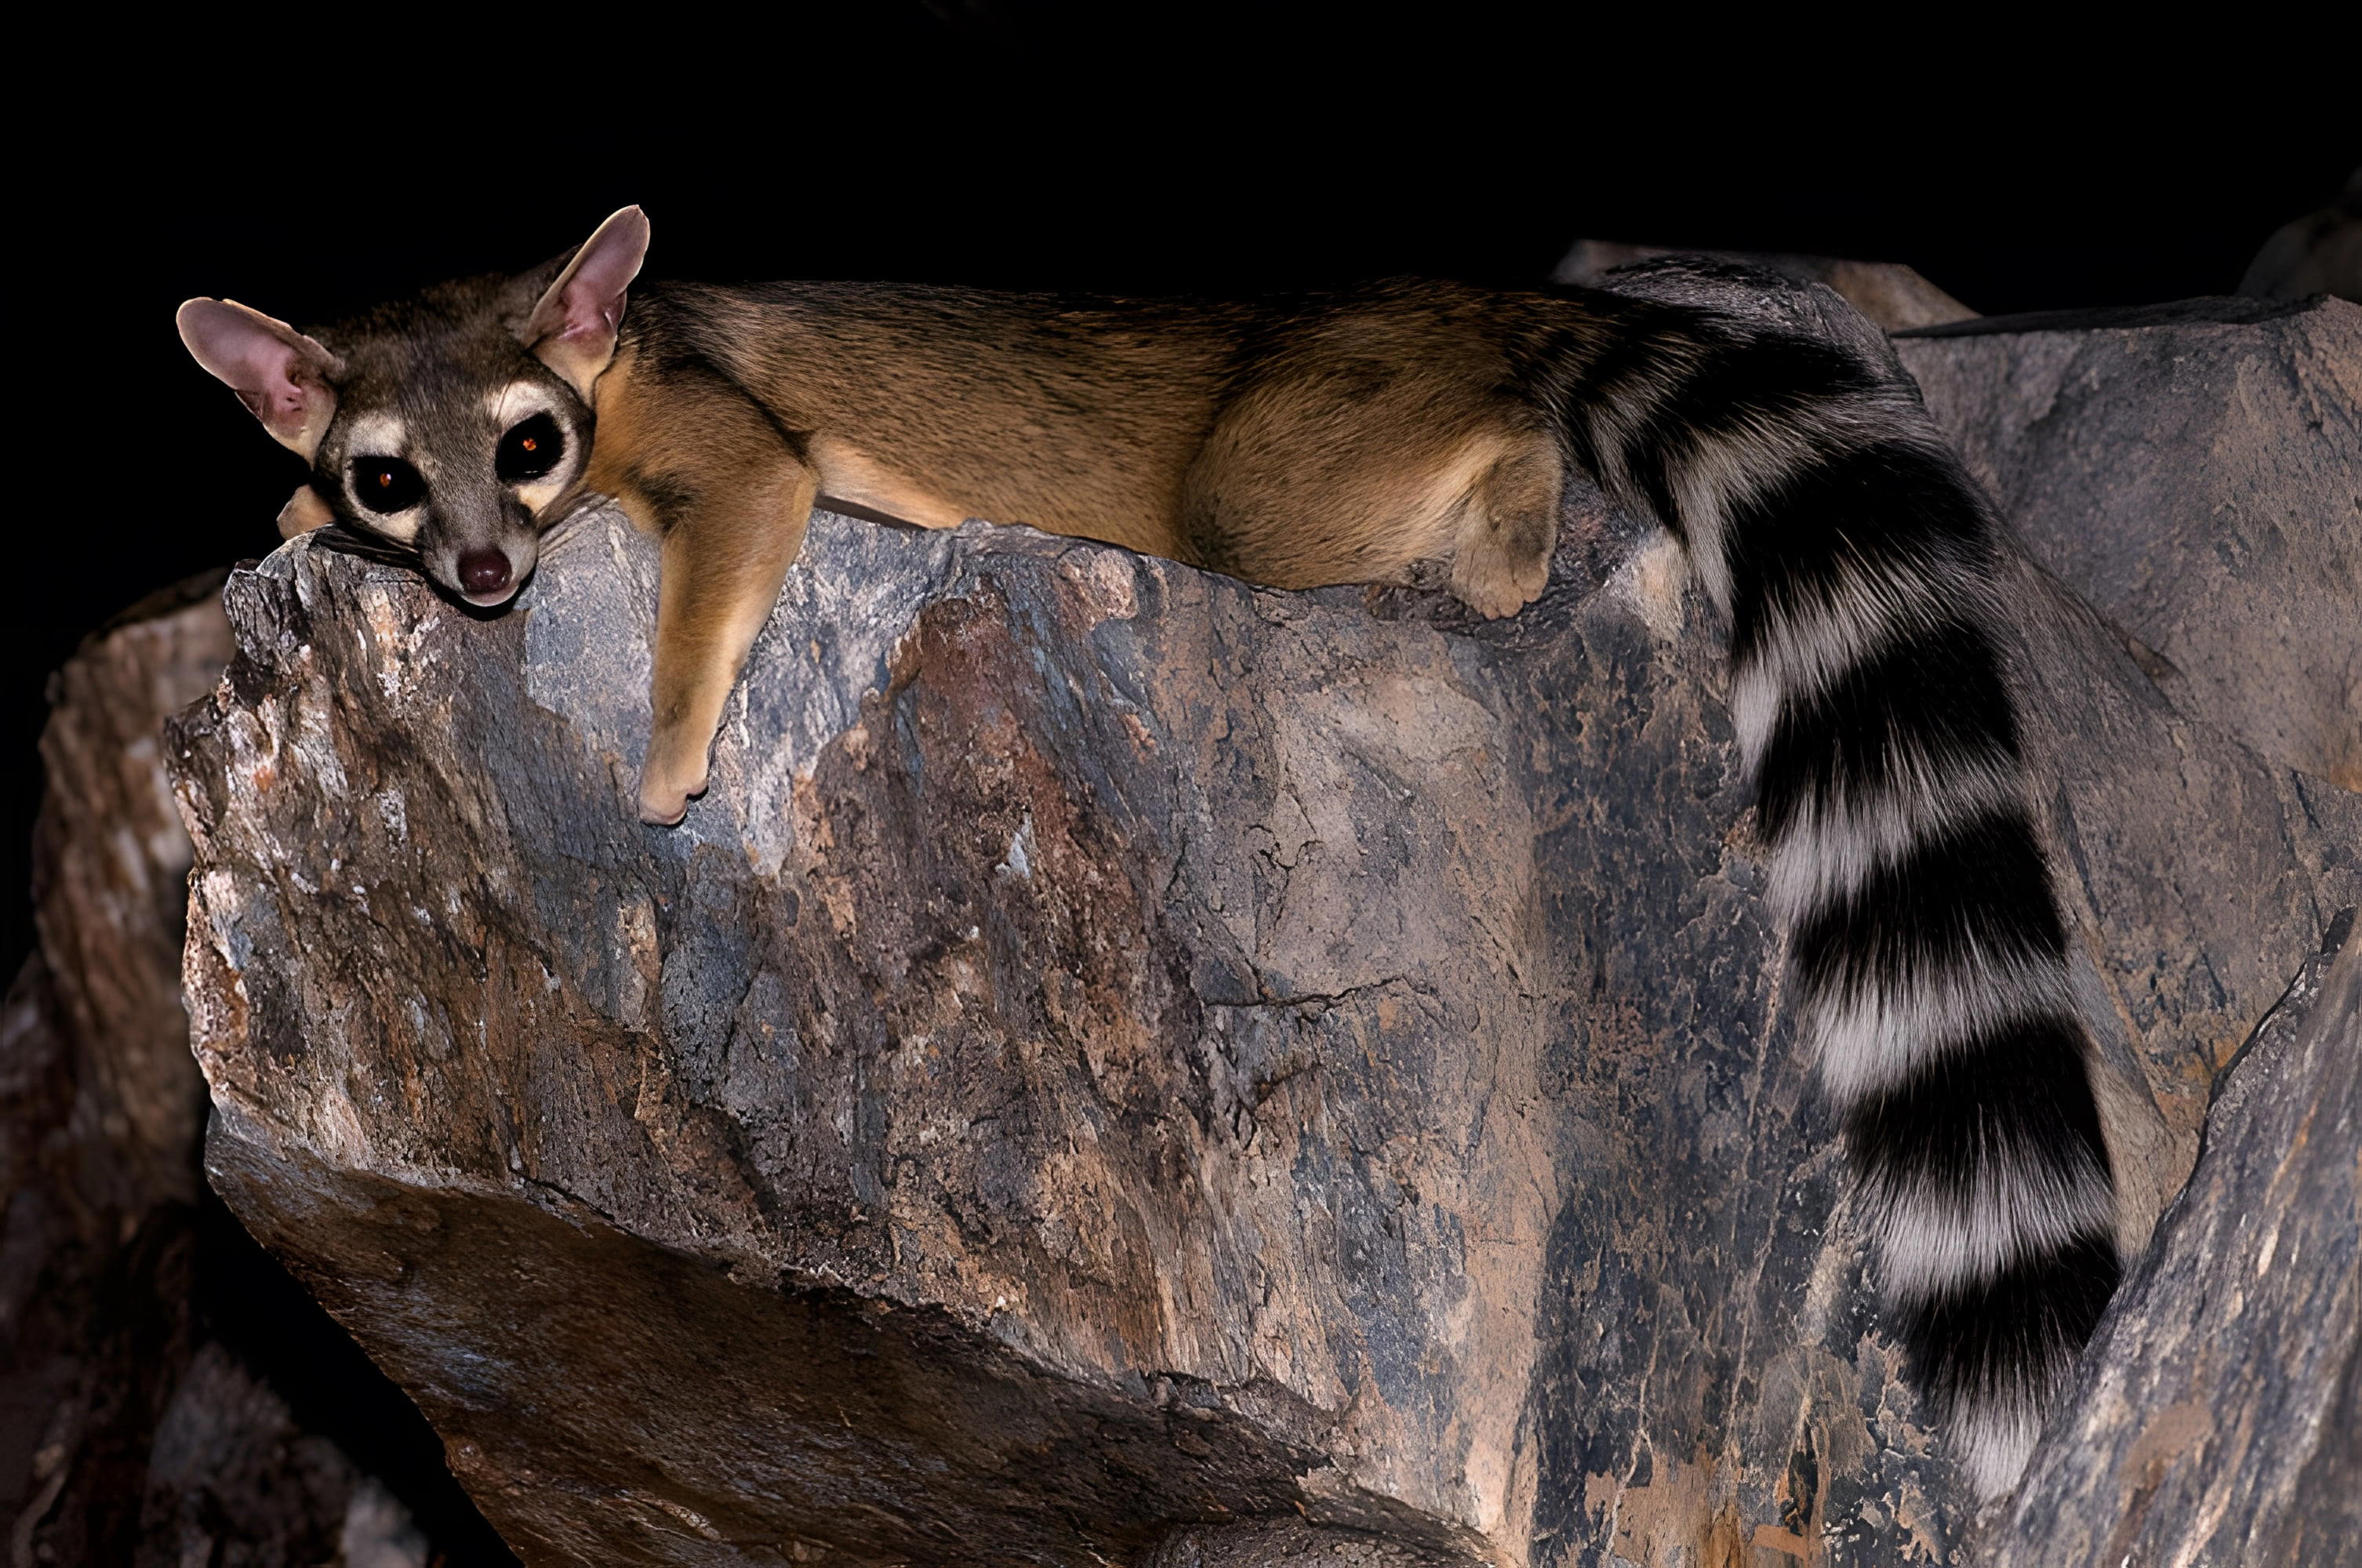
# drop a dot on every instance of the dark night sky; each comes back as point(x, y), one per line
point(1204, 152)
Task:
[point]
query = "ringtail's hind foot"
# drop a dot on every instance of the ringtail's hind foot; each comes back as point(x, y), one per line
point(1501, 558)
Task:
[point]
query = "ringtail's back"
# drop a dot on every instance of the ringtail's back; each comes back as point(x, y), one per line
point(1377, 433)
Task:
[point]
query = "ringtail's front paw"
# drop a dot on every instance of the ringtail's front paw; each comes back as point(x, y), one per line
point(666, 792)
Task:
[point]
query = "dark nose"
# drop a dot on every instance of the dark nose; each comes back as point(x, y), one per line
point(483, 572)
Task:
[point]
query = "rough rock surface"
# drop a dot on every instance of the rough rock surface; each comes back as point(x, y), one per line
point(100, 1104)
point(129, 1430)
point(2219, 1416)
point(2195, 470)
point(110, 883)
point(1119, 1058)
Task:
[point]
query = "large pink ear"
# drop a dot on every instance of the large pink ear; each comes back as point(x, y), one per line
point(281, 375)
point(572, 330)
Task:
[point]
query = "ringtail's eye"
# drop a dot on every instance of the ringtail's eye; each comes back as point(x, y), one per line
point(387, 484)
point(530, 449)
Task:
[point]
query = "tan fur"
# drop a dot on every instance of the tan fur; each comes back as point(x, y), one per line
point(731, 503)
point(305, 510)
point(1355, 449)
point(848, 474)
point(1382, 433)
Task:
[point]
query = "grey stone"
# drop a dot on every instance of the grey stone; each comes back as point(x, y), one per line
point(2195, 470)
point(2217, 1418)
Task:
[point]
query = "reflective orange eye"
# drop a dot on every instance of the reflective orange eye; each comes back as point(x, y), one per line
point(387, 485)
point(529, 450)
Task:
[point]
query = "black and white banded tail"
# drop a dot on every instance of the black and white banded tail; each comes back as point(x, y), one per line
point(1856, 564)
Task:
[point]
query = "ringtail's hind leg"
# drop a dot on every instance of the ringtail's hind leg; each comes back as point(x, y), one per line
point(1507, 528)
point(1316, 479)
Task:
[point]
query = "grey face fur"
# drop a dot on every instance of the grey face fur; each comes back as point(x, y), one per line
point(430, 427)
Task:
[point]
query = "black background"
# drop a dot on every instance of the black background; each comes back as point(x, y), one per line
point(1192, 149)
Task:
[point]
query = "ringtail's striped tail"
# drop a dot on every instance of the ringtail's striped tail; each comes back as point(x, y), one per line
point(1856, 564)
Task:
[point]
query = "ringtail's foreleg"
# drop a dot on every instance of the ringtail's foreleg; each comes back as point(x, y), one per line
point(730, 533)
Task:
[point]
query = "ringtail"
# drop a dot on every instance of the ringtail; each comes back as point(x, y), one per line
point(1350, 438)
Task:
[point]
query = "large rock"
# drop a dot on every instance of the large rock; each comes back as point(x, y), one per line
point(1120, 1062)
point(1047, 1097)
point(2195, 470)
point(141, 1333)
point(2220, 1415)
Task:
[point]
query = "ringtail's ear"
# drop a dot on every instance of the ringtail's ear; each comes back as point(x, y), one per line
point(572, 329)
point(281, 375)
